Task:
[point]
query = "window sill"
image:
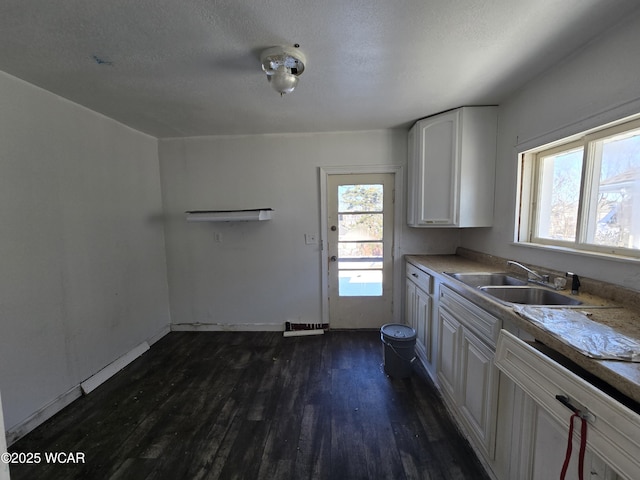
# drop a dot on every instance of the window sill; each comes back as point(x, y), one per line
point(575, 251)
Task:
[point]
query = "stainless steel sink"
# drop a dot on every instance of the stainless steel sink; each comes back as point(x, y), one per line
point(485, 279)
point(528, 295)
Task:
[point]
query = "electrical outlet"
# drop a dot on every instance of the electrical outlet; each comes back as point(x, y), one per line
point(310, 239)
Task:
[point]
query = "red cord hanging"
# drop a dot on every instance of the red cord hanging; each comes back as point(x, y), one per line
point(583, 446)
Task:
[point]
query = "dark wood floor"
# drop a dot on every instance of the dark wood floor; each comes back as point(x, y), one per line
point(256, 406)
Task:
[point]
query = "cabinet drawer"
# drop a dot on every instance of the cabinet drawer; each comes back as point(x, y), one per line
point(420, 278)
point(483, 324)
point(613, 429)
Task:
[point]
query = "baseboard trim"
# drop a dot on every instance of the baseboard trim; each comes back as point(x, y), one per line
point(302, 333)
point(217, 327)
point(43, 414)
point(158, 336)
point(97, 379)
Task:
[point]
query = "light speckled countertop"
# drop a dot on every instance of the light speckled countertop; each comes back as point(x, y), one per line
point(620, 314)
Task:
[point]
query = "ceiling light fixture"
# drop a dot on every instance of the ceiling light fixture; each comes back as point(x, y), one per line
point(283, 66)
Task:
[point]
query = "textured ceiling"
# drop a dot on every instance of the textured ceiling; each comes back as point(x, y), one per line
point(174, 68)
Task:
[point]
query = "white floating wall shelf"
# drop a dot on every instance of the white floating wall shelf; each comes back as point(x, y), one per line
point(257, 214)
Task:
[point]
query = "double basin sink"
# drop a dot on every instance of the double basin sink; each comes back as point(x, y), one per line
point(513, 290)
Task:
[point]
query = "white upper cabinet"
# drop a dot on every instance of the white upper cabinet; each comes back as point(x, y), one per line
point(451, 171)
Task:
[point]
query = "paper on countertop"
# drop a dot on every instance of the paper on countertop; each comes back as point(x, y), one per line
point(575, 329)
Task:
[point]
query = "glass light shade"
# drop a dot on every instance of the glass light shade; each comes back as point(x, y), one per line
point(283, 65)
point(283, 81)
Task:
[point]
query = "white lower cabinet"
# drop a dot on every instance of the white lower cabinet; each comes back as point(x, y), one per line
point(548, 442)
point(479, 390)
point(538, 423)
point(531, 444)
point(502, 392)
point(418, 313)
point(410, 304)
point(466, 373)
point(449, 330)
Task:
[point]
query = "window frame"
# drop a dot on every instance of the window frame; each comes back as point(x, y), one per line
point(529, 185)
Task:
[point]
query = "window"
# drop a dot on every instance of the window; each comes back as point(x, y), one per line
point(584, 193)
point(360, 240)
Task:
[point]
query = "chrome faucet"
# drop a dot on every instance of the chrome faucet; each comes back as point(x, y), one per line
point(535, 277)
point(544, 278)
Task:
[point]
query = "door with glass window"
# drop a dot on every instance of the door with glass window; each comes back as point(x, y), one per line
point(360, 245)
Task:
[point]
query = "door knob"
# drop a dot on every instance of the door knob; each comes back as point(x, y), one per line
point(333, 258)
point(333, 228)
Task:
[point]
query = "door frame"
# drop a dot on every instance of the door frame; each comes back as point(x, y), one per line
point(398, 177)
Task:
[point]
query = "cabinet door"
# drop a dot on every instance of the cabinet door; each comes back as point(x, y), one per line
point(423, 321)
point(546, 440)
point(410, 304)
point(478, 390)
point(541, 423)
point(435, 166)
point(448, 353)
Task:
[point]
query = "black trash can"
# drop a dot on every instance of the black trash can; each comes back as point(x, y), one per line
point(398, 351)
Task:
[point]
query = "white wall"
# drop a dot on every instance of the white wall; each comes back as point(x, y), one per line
point(598, 84)
point(262, 273)
point(83, 277)
point(4, 467)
